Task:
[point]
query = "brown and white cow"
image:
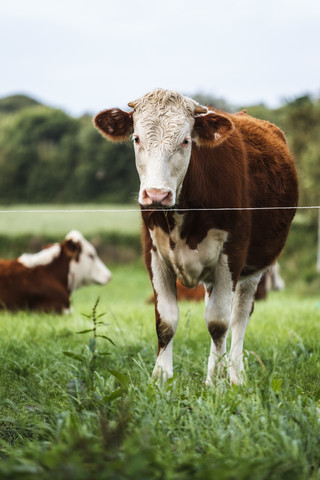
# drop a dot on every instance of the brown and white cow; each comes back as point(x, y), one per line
point(44, 280)
point(190, 159)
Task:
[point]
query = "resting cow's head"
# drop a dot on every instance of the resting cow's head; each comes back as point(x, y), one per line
point(163, 125)
point(85, 265)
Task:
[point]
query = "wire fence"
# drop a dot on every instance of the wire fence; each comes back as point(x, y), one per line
point(179, 210)
point(128, 210)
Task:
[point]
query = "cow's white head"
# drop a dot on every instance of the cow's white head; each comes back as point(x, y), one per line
point(163, 125)
point(85, 265)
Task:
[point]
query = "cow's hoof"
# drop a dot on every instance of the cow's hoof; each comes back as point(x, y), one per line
point(208, 383)
point(236, 378)
point(160, 376)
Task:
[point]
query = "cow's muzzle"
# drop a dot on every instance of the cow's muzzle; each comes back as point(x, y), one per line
point(157, 196)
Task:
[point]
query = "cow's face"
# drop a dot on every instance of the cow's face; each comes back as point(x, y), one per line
point(85, 265)
point(162, 143)
point(163, 126)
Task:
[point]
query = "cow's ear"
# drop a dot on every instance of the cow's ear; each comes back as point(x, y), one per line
point(114, 124)
point(72, 249)
point(212, 128)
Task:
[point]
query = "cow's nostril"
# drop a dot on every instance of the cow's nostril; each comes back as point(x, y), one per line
point(155, 195)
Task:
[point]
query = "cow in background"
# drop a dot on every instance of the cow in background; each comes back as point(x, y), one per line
point(43, 281)
point(214, 193)
point(270, 280)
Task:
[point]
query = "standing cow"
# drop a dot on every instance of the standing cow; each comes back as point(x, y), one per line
point(191, 159)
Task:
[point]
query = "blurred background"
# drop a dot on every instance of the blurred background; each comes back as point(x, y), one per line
point(65, 61)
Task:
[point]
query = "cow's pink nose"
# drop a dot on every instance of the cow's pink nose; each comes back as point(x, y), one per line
point(155, 195)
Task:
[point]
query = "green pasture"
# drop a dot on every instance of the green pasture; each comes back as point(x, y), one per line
point(79, 406)
point(67, 415)
point(58, 220)
point(113, 229)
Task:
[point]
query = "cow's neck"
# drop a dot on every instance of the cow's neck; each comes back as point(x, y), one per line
point(59, 268)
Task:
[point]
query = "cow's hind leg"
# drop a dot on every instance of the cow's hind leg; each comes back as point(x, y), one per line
point(219, 296)
point(241, 311)
point(167, 315)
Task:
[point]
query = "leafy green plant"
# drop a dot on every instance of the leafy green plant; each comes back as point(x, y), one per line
point(89, 385)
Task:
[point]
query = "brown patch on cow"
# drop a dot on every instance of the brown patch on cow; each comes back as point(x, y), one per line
point(147, 248)
point(162, 218)
point(217, 331)
point(195, 294)
point(252, 168)
point(261, 292)
point(39, 288)
point(212, 129)
point(165, 334)
point(72, 249)
point(114, 124)
point(164, 331)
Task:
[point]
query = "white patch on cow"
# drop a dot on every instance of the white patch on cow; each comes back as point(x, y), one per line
point(218, 312)
point(44, 257)
point(88, 268)
point(164, 285)
point(241, 308)
point(191, 266)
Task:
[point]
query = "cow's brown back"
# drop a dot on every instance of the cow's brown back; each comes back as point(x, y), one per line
point(253, 168)
point(42, 287)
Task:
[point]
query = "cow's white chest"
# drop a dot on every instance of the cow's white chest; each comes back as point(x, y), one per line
point(191, 266)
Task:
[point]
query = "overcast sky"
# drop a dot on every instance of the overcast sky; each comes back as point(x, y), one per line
point(84, 56)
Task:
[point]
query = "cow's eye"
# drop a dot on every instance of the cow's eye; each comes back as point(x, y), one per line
point(136, 139)
point(186, 141)
point(91, 256)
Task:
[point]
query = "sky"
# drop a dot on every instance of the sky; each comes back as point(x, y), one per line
point(84, 56)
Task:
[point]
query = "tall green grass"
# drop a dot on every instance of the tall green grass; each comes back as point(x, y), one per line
point(53, 425)
point(73, 406)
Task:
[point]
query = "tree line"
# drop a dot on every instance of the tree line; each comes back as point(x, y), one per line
point(48, 156)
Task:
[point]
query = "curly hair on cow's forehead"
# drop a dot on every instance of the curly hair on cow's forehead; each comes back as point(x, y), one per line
point(162, 100)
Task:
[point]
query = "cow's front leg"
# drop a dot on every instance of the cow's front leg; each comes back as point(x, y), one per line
point(167, 315)
point(241, 309)
point(219, 296)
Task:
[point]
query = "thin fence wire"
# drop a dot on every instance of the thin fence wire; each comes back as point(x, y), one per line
point(128, 210)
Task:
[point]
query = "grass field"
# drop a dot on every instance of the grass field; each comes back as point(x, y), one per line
point(89, 416)
point(60, 219)
point(78, 407)
point(114, 229)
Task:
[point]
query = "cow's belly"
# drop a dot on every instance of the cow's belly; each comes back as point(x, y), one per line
point(191, 266)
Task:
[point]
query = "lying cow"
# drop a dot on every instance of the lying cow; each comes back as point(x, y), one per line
point(44, 280)
point(204, 175)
